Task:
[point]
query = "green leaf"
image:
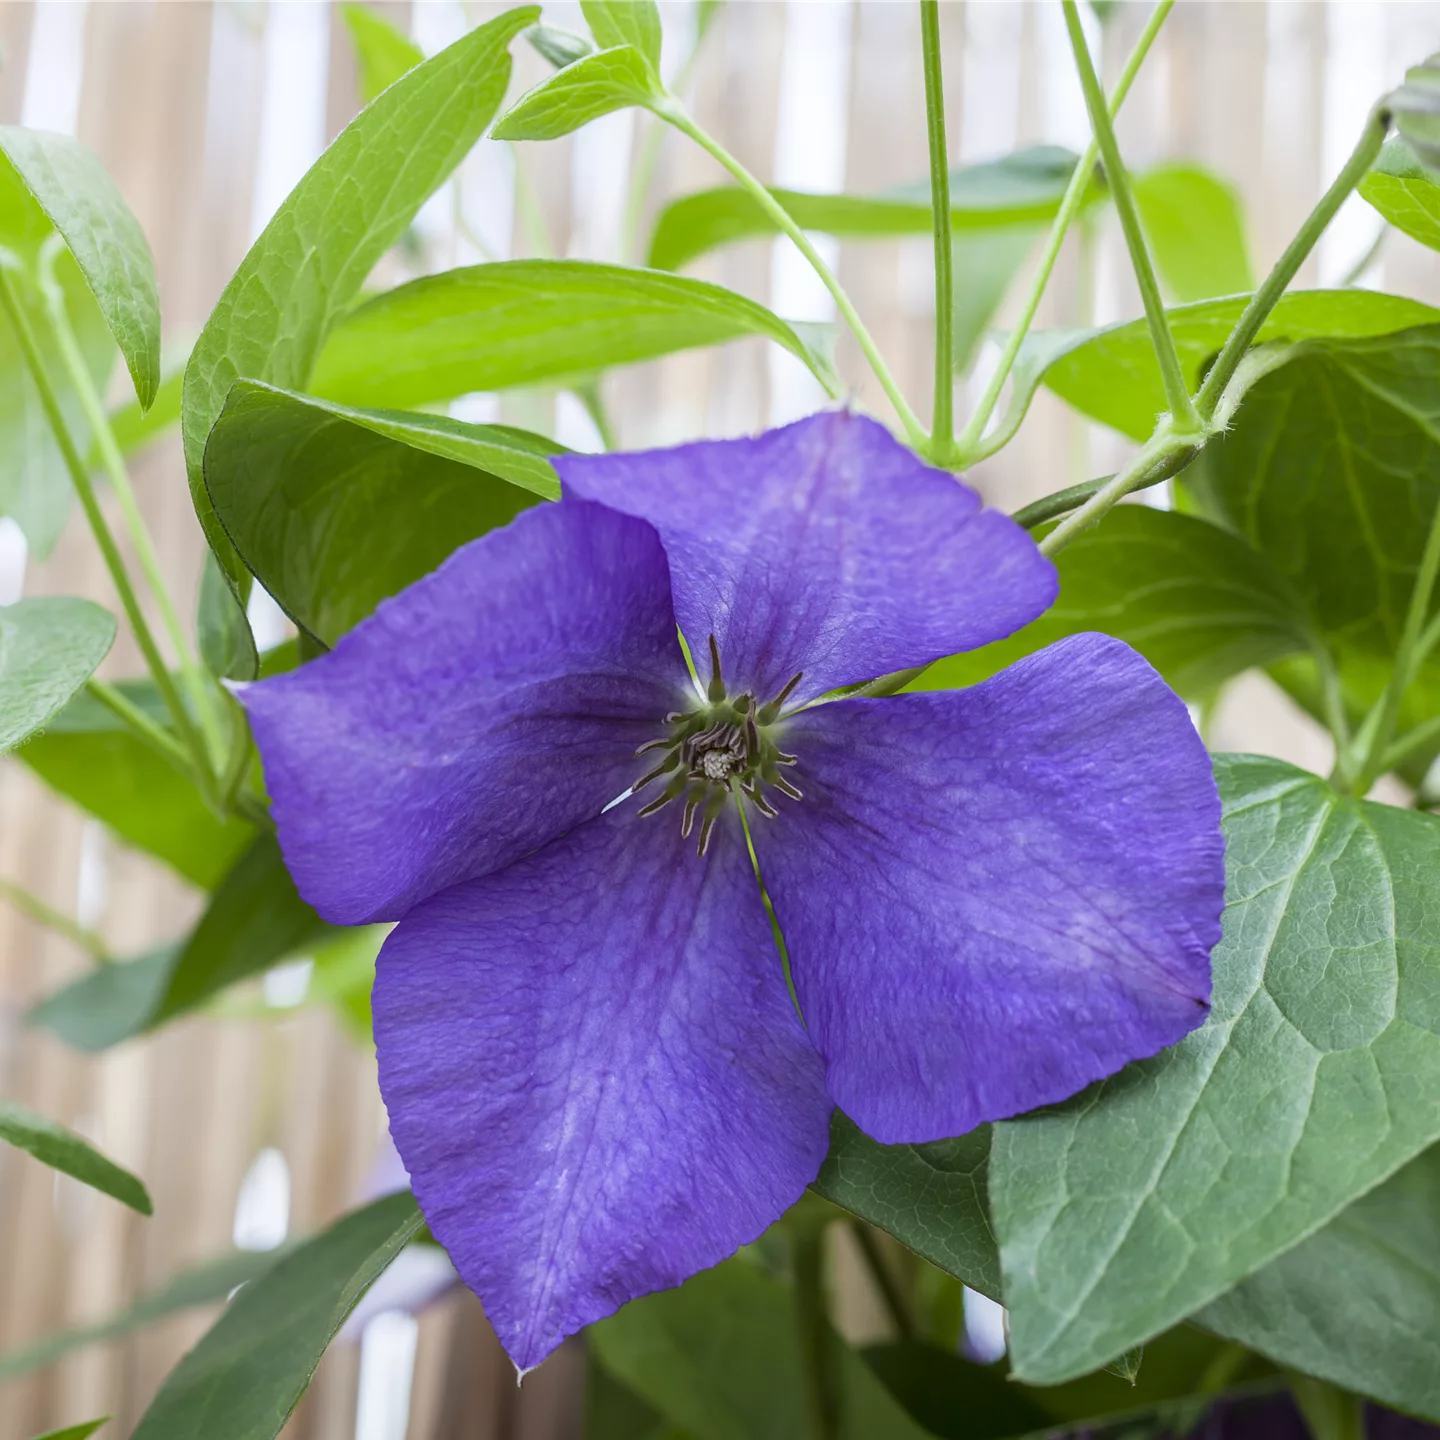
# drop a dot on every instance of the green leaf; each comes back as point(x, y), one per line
point(1358, 1303)
point(559, 47)
point(206, 1284)
point(384, 54)
point(226, 645)
point(1113, 377)
point(952, 1398)
point(85, 206)
point(528, 322)
point(63, 1150)
point(1416, 109)
point(1195, 600)
point(249, 1371)
point(984, 262)
point(334, 509)
point(1023, 189)
point(75, 1432)
point(625, 22)
point(108, 1004)
point(48, 649)
point(87, 755)
point(583, 91)
point(720, 1358)
point(1405, 193)
point(1195, 227)
point(1155, 1192)
point(929, 1197)
point(351, 206)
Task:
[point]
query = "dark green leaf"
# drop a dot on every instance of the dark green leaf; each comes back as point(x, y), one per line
point(91, 758)
point(1357, 1303)
point(625, 22)
point(108, 1004)
point(1195, 600)
point(559, 47)
point(63, 1150)
point(1113, 377)
point(583, 91)
point(527, 322)
point(75, 1432)
point(226, 644)
point(1405, 193)
point(49, 648)
point(383, 53)
point(720, 1358)
point(952, 1398)
point(206, 1284)
point(1022, 189)
point(317, 251)
point(1416, 108)
point(1195, 227)
point(334, 509)
point(929, 1197)
point(1155, 1192)
point(245, 1377)
point(615, 1412)
point(82, 202)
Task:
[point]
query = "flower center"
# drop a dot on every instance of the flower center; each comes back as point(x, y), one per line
point(722, 746)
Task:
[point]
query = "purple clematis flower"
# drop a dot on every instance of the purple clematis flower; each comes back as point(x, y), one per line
point(594, 1070)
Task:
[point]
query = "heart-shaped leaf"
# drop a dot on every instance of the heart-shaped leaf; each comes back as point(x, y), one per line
point(49, 648)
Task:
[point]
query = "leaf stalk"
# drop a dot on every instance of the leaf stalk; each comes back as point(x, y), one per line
point(942, 426)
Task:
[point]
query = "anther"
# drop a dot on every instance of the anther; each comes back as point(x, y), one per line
point(763, 805)
point(786, 788)
point(716, 692)
point(688, 823)
point(666, 765)
point(663, 743)
point(773, 707)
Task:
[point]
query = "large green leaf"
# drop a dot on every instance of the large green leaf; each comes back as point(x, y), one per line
point(1112, 375)
point(583, 91)
point(383, 53)
point(108, 1004)
point(1155, 1192)
point(929, 1197)
point(1331, 470)
point(1405, 193)
point(720, 1358)
point(85, 206)
point(527, 322)
point(1023, 189)
point(249, 1371)
point(1358, 1303)
point(334, 509)
point(63, 1150)
point(49, 648)
point(1195, 600)
point(89, 756)
point(1196, 229)
point(351, 206)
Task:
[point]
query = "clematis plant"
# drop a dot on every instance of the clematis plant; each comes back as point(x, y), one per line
point(594, 1071)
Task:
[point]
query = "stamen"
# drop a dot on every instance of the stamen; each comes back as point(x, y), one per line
point(763, 805)
point(716, 692)
point(772, 709)
point(667, 764)
point(786, 788)
point(688, 823)
point(663, 743)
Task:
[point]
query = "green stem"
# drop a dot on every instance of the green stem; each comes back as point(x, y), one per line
point(1268, 295)
point(677, 116)
point(201, 693)
point(589, 396)
point(942, 428)
point(80, 477)
point(145, 729)
point(1409, 743)
point(532, 213)
point(1332, 702)
point(895, 1303)
point(38, 910)
point(969, 447)
point(1062, 502)
point(1177, 393)
point(816, 1343)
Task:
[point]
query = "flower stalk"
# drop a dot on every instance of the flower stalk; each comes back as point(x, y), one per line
point(43, 913)
point(942, 427)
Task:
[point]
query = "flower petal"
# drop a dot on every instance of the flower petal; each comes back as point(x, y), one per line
point(594, 1071)
point(992, 897)
point(825, 547)
point(474, 716)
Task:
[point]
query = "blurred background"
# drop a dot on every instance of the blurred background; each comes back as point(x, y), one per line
point(262, 1120)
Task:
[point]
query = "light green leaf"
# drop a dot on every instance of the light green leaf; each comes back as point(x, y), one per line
point(1022, 189)
point(87, 755)
point(1195, 226)
point(108, 1004)
point(984, 262)
point(334, 509)
point(249, 1371)
point(1113, 377)
point(1154, 1193)
point(49, 648)
point(929, 1197)
point(559, 47)
point(63, 1150)
point(206, 1284)
point(1195, 600)
point(1405, 193)
point(75, 1432)
point(583, 91)
point(383, 52)
point(720, 1358)
point(351, 206)
point(1358, 1303)
point(625, 22)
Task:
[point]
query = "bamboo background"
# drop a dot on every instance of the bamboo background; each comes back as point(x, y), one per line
point(205, 114)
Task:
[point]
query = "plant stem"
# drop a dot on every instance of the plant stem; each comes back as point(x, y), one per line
point(895, 1303)
point(969, 446)
point(78, 375)
point(676, 114)
point(1177, 393)
point(942, 427)
point(1268, 295)
point(45, 914)
point(816, 1356)
point(590, 397)
point(1409, 743)
point(160, 741)
point(80, 477)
